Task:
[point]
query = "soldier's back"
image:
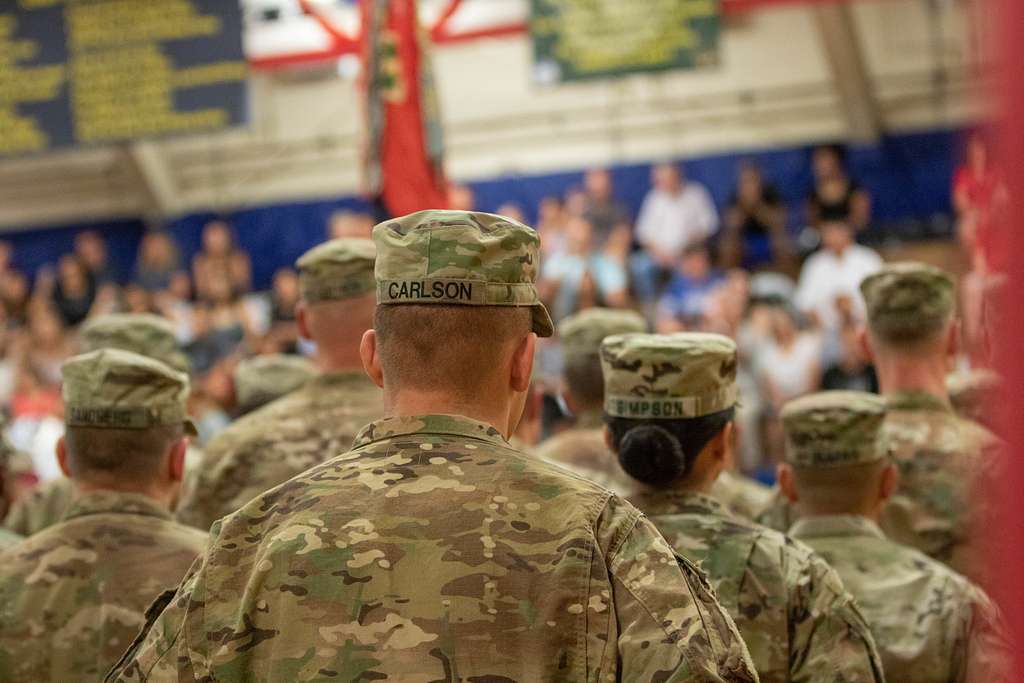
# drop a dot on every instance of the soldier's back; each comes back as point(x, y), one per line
point(277, 442)
point(42, 508)
point(583, 450)
point(944, 462)
point(931, 624)
point(741, 495)
point(798, 621)
point(433, 551)
point(73, 597)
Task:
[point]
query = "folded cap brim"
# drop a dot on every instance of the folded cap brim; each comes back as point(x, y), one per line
point(542, 324)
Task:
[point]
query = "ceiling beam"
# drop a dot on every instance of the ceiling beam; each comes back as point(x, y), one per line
point(838, 32)
point(155, 178)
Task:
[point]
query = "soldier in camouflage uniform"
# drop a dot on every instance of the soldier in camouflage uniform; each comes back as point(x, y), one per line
point(670, 402)
point(433, 550)
point(142, 333)
point(582, 448)
point(973, 393)
point(73, 596)
point(931, 624)
point(262, 379)
point(315, 422)
point(7, 537)
point(945, 462)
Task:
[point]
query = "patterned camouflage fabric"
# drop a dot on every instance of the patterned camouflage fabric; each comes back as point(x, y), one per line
point(973, 392)
point(834, 429)
point(262, 379)
point(742, 496)
point(433, 551)
point(907, 299)
point(142, 333)
point(460, 257)
point(930, 623)
point(792, 610)
point(273, 444)
point(946, 468)
point(338, 269)
point(8, 538)
point(581, 449)
point(73, 597)
point(44, 507)
point(581, 333)
point(664, 377)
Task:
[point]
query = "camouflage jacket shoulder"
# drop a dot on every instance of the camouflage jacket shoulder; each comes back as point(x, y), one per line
point(930, 623)
point(947, 465)
point(73, 596)
point(741, 495)
point(280, 440)
point(8, 538)
point(583, 451)
point(791, 608)
point(44, 507)
point(433, 549)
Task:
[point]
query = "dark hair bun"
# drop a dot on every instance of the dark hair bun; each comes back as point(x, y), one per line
point(652, 455)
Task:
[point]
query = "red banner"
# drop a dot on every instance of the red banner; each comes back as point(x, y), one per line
point(404, 151)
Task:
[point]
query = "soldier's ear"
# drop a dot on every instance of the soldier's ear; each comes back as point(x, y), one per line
point(608, 441)
point(522, 362)
point(176, 460)
point(302, 320)
point(369, 353)
point(890, 482)
point(864, 342)
point(62, 457)
point(784, 474)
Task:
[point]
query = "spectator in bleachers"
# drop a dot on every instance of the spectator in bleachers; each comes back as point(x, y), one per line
point(601, 208)
point(461, 197)
point(158, 260)
point(513, 211)
point(835, 196)
point(675, 213)
point(979, 193)
point(349, 224)
point(551, 218)
point(136, 299)
point(221, 259)
point(283, 335)
point(15, 297)
point(46, 346)
point(853, 370)
point(582, 274)
point(175, 304)
point(755, 224)
point(686, 299)
point(832, 276)
point(73, 290)
point(91, 250)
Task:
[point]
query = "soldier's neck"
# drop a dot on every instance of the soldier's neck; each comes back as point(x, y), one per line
point(163, 497)
point(343, 359)
point(412, 403)
point(903, 373)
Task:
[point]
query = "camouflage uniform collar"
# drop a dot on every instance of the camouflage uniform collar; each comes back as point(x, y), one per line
point(335, 377)
point(918, 400)
point(115, 502)
point(835, 525)
point(450, 425)
point(670, 502)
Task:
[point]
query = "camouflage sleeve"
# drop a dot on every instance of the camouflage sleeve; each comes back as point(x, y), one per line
point(671, 627)
point(160, 651)
point(831, 638)
point(989, 654)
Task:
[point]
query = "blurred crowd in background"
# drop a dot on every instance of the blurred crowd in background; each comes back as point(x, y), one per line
point(789, 297)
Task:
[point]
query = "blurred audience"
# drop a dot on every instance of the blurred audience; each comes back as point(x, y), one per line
point(686, 300)
point(835, 197)
point(755, 225)
point(675, 214)
point(159, 259)
point(349, 224)
point(979, 194)
point(606, 214)
point(582, 276)
point(221, 261)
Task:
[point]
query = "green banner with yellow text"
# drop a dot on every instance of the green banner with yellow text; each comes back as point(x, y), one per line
point(581, 39)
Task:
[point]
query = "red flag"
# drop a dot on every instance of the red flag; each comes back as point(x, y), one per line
point(403, 161)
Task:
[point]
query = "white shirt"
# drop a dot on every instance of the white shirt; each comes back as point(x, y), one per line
point(826, 277)
point(789, 370)
point(670, 222)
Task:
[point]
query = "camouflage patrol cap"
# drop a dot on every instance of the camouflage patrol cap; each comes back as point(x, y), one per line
point(262, 379)
point(460, 257)
point(142, 333)
point(116, 389)
point(581, 333)
point(663, 377)
point(338, 269)
point(834, 429)
point(908, 298)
